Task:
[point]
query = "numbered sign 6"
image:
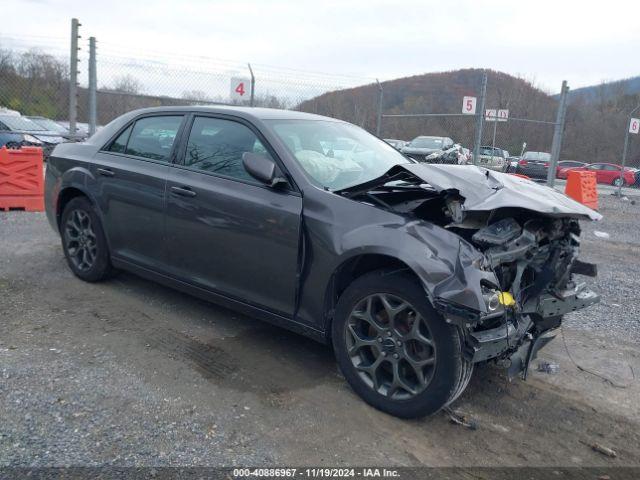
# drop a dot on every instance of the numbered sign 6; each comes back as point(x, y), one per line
point(634, 125)
point(469, 105)
point(240, 88)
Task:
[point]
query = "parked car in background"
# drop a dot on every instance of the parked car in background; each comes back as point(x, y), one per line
point(534, 164)
point(467, 155)
point(82, 129)
point(30, 131)
point(454, 155)
point(245, 207)
point(565, 165)
point(609, 173)
point(420, 147)
point(17, 140)
point(49, 124)
point(397, 144)
point(512, 164)
point(493, 158)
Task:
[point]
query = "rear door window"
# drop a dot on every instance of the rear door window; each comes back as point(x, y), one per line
point(119, 145)
point(153, 137)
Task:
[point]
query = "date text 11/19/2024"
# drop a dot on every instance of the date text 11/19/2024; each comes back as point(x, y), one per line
point(370, 472)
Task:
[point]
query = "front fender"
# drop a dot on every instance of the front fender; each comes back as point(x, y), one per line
point(447, 265)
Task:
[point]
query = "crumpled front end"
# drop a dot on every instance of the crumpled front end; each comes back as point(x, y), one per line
point(513, 273)
point(536, 266)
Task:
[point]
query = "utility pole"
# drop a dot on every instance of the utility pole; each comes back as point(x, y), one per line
point(624, 150)
point(480, 119)
point(379, 116)
point(253, 86)
point(558, 133)
point(93, 86)
point(73, 77)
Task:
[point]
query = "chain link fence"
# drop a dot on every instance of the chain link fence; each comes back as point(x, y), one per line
point(35, 80)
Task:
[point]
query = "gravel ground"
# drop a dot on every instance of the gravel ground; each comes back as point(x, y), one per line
point(127, 373)
point(618, 260)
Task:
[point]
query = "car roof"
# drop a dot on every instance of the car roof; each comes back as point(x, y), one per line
point(246, 112)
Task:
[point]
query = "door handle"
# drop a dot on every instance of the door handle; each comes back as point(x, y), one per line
point(183, 191)
point(105, 172)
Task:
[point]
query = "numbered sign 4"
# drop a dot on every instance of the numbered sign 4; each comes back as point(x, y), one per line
point(634, 125)
point(469, 105)
point(240, 88)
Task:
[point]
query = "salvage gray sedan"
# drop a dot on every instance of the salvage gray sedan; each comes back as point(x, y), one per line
point(413, 272)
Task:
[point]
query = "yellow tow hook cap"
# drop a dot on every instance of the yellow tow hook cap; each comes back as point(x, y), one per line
point(506, 299)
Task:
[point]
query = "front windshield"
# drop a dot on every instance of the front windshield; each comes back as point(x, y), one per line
point(15, 122)
point(50, 125)
point(427, 142)
point(336, 155)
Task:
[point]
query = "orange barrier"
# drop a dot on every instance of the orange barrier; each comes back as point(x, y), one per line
point(21, 179)
point(582, 187)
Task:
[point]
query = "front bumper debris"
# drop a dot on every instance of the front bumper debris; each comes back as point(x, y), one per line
point(517, 338)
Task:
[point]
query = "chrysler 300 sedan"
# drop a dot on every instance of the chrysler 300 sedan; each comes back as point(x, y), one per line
point(414, 273)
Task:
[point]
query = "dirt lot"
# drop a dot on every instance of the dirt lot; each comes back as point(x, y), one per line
point(131, 373)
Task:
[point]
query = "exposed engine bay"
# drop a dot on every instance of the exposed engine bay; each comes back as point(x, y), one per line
point(529, 241)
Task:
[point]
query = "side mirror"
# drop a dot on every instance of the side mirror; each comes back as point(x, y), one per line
point(262, 169)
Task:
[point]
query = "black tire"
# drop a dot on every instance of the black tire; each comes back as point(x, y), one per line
point(449, 374)
point(617, 182)
point(81, 229)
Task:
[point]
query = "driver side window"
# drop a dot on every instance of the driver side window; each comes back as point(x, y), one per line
point(216, 146)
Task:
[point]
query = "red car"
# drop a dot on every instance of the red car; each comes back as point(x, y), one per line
point(566, 165)
point(608, 173)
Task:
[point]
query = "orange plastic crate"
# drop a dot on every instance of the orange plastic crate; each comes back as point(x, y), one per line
point(21, 179)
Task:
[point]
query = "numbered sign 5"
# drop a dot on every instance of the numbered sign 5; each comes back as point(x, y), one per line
point(634, 125)
point(240, 88)
point(469, 105)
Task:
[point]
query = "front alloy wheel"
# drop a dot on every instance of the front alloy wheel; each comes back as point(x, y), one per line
point(390, 346)
point(395, 350)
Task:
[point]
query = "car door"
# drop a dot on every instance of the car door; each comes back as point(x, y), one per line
point(131, 174)
point(610, 173)
point(227, 232)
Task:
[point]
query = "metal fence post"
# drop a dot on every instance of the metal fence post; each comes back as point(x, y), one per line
point(73, 77)
point(557, 134)
point(624, 150)
point(93, 86)
point(480, 119)
point(379, 116)
point(253, 85)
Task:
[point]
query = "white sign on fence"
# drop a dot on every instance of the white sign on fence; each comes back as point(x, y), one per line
point(240, 88)
point(492, 114)
point(469, 105)
point(634, 125)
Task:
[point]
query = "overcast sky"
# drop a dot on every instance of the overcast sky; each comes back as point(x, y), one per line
point(584, 42)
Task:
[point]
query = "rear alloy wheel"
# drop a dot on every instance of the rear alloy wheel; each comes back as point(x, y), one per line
point(618, 182)
point(394, 349)
point(83, 241)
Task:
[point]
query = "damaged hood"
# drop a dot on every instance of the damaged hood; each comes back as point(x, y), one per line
point(487, 190)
